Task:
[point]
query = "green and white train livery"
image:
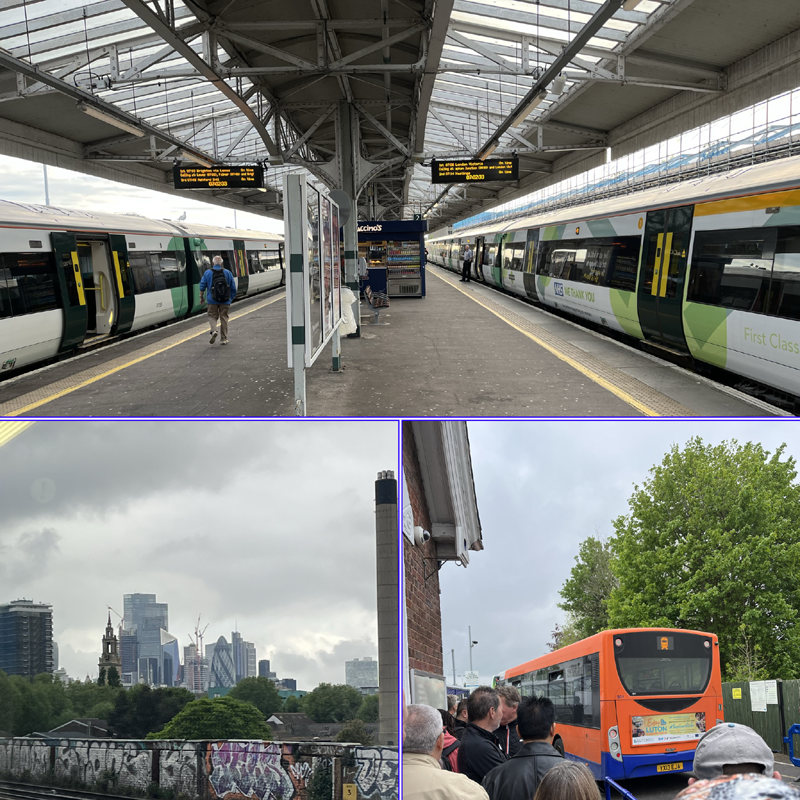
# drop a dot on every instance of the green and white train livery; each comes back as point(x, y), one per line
point(69, 279)
point(709, 268)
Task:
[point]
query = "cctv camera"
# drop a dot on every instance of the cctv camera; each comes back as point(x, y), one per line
point(420, 536)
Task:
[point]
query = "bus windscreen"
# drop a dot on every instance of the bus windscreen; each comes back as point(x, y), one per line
point(649, 662)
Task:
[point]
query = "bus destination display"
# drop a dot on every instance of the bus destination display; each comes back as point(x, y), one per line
point(494, 169)
point(236, 177)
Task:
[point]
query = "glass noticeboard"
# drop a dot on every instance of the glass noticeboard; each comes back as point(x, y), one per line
point(314, 269)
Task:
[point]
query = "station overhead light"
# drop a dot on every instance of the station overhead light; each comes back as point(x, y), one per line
point(522, 116)
point(629, 5)
point(558, 84)
point(104, 116)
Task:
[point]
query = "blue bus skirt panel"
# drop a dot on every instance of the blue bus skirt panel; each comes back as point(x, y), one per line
point(635, 766)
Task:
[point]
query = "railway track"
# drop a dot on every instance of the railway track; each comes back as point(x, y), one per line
point(14, 790)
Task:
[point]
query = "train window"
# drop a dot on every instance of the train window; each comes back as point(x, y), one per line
point(29, 282)
point(5, 303)
point(609, 261)
point(142, 272)
point(254, 260)
point(732, 268)
point(489, 254)
point(171, 265)
point(624, 263)
point(513, 253)
point(784, 293)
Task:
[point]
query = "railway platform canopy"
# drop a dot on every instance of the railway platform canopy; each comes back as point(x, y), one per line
point(363, 94)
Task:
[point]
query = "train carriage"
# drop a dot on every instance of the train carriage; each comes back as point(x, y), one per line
point(708, 268)
point(69, 278)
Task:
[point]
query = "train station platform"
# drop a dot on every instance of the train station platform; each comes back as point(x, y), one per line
point(464, 350)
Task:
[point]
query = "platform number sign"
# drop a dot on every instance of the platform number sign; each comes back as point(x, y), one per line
point(349, 791)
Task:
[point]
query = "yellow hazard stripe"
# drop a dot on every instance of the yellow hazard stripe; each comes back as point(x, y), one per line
point(78, 279)
point(8, 430)
point(119, 274)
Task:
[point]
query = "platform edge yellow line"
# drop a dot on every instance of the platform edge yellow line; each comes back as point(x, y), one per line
point(44, 401)
point(593, 376)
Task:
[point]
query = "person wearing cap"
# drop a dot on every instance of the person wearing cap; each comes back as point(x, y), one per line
point(732, 749)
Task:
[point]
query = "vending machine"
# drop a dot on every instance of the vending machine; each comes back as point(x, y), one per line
point(395, 255)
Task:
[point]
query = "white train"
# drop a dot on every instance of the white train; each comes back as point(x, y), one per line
point(708, 268)
point(69, 279)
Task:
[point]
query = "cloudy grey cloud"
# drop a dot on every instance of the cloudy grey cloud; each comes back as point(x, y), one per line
point(542, 488)
point(262, 526)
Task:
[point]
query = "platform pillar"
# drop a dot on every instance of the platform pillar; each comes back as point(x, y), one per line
point(346, 148)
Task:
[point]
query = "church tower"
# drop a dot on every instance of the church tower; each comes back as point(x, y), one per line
point(110, 657)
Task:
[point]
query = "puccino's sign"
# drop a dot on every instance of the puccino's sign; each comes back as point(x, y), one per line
point(370, 228)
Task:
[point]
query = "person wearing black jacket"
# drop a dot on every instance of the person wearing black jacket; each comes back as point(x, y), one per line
point(519, 777)
point(479, 751)
point(506, 734)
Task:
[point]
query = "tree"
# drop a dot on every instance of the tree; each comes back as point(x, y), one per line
point(101, 678)
point(588, 588)
point(143, 710)
point(113, 677)
point(292, 704)
point(712, 543)
point(368, 710)
point(261, 692)
point(220, 718)
point(354, 731)
point(564, 635)
point(332, 703)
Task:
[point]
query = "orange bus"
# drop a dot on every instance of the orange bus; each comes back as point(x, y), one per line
point(629, 702)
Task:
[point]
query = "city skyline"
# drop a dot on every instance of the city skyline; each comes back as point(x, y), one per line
point(102, 509)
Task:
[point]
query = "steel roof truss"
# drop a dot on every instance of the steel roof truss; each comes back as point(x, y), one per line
point(487, 52)
point(452, 131)
point(309, 133)
point(378, 126)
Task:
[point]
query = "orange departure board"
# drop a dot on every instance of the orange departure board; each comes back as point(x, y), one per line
point(494, 169)
point(219, 177)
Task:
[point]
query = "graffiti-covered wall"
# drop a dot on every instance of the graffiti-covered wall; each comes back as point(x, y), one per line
point(225, 770)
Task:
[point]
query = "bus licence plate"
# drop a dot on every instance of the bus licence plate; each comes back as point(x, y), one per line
point(678, 766)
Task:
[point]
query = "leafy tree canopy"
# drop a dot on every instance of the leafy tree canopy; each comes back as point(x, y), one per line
point(712, 543)
point(587, 590)
point(261, 692)
point(332, 703)
point(354, 731)
point(221, 718)
point(368, 710)
point(143, 710)
point(292, 704)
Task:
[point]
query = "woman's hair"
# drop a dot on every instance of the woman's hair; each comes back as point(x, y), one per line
point(448, 721)
point(569, 780)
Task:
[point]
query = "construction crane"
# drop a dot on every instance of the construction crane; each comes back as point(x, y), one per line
point(197, 640)
point(121, 620)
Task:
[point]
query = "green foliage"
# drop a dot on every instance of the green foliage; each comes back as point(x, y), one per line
point(368, 710)
point(113, 677)
point(586, 591)
point(101, 678)
point(320, 787)
point(712, 543)
point(354, 731)
point(292, 705)
point(332, 703)
point(143, 710)
point(221, 718)
point(261, 692)
point(564, 635)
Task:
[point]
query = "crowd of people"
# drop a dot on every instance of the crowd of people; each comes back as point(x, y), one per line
point(497, 746)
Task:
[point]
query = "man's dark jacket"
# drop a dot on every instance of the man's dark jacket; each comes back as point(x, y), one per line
point(508, 737)
point(478, 752)
point(519, 777)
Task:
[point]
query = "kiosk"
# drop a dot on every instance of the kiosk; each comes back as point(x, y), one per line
point(395, 254)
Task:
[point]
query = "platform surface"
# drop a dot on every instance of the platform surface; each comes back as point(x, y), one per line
point(464, 350)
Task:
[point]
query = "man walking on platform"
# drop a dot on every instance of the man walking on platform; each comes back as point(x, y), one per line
point(465, 272)
point(221, 288)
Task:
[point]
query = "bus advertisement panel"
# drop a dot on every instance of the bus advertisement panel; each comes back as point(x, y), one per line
point(631, 702)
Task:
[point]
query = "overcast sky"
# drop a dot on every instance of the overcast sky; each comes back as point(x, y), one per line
point(23, 182)
point(542, 488)
point(266, 525)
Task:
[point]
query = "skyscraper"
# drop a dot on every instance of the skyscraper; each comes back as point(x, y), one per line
point(26, 638)
point(170, 659)
point(223, 672)
point(362, 675)
point(250, 660)
point(195, 670)
point(129, 655)
point(263, 669)
point(244, 657)
point(147, 618)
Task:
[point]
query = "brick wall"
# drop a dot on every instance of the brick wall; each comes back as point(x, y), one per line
point(423, 612)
